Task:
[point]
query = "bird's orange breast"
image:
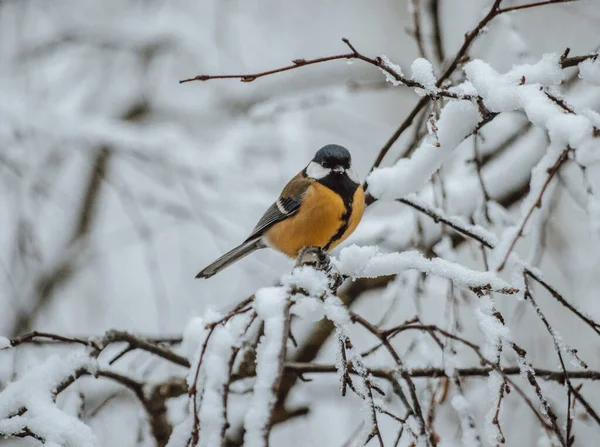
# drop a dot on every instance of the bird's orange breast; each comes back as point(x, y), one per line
point(321, 216)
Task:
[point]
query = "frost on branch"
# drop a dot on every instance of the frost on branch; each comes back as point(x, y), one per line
point(457, 120)
point(179, 157)
point(28, 405)
point(369, 262)
point(393, 67)
point(272, 306)
point(422, 72)
point(470, 437)
point(589, 71)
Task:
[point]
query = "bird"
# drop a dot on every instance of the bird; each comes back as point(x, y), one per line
point(319, 207)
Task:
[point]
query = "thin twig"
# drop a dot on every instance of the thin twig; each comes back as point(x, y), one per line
point(532, 5)
point(563, 156)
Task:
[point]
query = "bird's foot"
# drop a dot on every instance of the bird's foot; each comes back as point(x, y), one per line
point(315, 257)
point(319, 259)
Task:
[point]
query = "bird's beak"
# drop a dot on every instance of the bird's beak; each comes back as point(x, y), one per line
point(338, 169)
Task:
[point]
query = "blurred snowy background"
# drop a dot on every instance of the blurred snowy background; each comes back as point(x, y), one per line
point(117, 184)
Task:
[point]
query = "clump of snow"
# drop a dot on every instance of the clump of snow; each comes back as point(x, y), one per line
point(519, 88)
point(491, 327)
point(180, 437)
point(311, 282)
point(546, 72)
point(368, 262)
point(470, 437)
point(314, 282)
point(34, 391)
point(270, 305)
point(525, 371)
point(337, 312)
point(422, 72)
point(217, 359)
point(212, 412)
point(4, 343)
point(464, 88)
point(568, 129)
point(589, 71)
point(457, 120)
point(495, 384)
point(395, 68)
point(193, 336)
point(308, 308)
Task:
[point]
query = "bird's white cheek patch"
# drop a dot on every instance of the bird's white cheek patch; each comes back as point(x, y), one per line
point(316, 171)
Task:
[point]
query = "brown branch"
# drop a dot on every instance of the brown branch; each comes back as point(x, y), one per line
point(32, 337)
point(558, 349)
point(467, 232)
point(154, 403)
point(297, 63)
point(469, 38)
point(532, 5)
point(566, 62)
point(115, 336)
point(384, 339)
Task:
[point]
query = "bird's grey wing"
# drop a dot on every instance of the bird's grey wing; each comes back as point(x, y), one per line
point(286, 206)
point(280, 210)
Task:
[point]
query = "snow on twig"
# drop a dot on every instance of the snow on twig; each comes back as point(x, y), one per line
point(28, 406)
point(272, 306)
point(369, 262)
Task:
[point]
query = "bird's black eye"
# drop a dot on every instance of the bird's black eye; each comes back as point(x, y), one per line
point(324, 163)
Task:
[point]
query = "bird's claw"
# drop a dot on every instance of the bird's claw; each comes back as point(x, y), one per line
point(314, 257)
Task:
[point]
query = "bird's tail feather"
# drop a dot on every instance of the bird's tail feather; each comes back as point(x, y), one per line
point(230, 257)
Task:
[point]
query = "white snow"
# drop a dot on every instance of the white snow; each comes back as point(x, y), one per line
point(337, 312)
point(270, 304)
point(457, 120)
point(308, 307)
point(395, 68)
point(522, 89)
point(193, 336)
point(4, 343)
point(369, 262)
point(566, 129)
point(495, 382)
point(422, 72)
point(589, 71)
point(505, 93)
point(180, 437)
point(216, 363)
point(470, 438)
point(34, 391)
point(494, 331)
point(314, 282)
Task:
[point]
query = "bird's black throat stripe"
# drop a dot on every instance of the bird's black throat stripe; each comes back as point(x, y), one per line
point(345, 188)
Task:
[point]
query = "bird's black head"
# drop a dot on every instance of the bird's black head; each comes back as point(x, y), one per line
point(332, 156)
point(332, 166)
